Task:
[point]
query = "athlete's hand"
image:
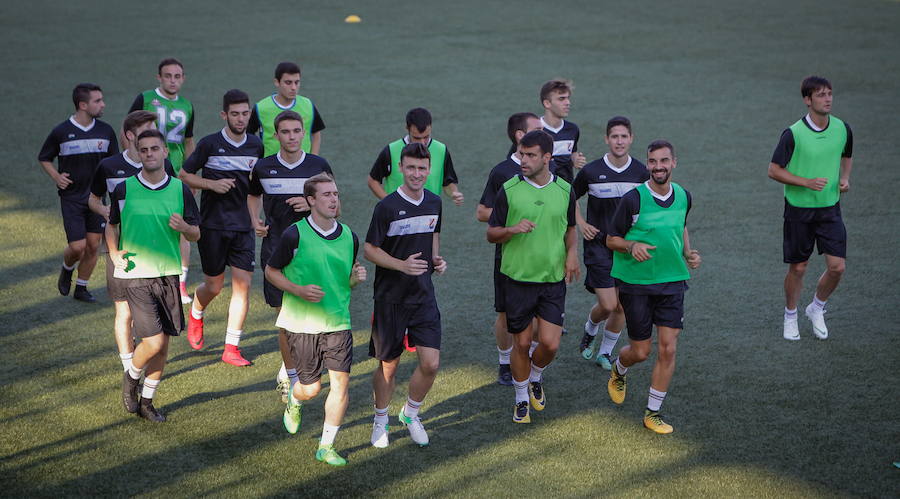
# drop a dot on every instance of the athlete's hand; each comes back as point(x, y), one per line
point(298, 203)
point(522, 227)
point(358, 272)
point(413, 265)
point(118, 259)
point(440, 265)
point(844, 185)
point(222, 185)
point(641, 251)
point(578, 160)
point(573, 270)
point(63, 181)
point(311, 293)
point(588, 231)
point(177, 222)
point(816, 184)
point(693, 259)
point(260, 229)
point(104, 212)
point(457, 198)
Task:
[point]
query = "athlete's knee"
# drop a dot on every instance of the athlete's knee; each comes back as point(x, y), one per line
point(429, 367)
point(306, 392)
point(214, 286)
point(797, 269)
point(77, 247)
point(640, 353)
point(667, 351)
point(836, 266)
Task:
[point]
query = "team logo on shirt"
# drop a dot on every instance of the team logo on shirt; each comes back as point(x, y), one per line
point(402, 212)
point(154, 103)
point(120, 172)
point(432, 222)
point(273, 172)
point(221, 150)
point(251, 162)
point(539, 203)
point(99, 145)
point(71, 135)
point(602, 177)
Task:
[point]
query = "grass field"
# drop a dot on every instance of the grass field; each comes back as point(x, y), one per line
point(754, 415)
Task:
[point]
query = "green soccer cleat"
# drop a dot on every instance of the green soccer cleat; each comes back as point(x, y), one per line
point(604, 361)
point(327, 454)
point(292, 415)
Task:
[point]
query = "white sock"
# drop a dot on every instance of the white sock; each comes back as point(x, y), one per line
point(81, 282)
point(620, 368)
point(533, 347)
point(295, 400)
point(196, 314)
point(282, 373)
point(654, 402)
point(126, 359)
point(381, 415)
point(591, 327)
point(328, 434)
point(184, 273)
point(233, 336)
point(790, 314)
point(134, 373)
point(411, 409)
point(609, 341)
point(521, 390)
point(292, 376)
point(70, 268)
point(536, 373)
point(149, 390)
point(503, 356)
point(819, 304)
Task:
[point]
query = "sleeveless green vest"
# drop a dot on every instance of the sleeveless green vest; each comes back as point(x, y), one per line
point(172, 118)
point(267, 110)
point(151, 245)
point(660, 227)
point(327, 264)
point(539, 255)
point(816, 154)
point(435, 180)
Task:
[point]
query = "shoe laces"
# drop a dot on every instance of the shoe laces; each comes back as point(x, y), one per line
point(618, 379)
point(521, 408)
point(656, 418)
point(537, 389)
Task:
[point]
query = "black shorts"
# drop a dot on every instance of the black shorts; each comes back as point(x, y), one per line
point(219, 248)
point(272, 294)
point(527, 300)
point(643, 311)
point(499, 288)
point(597, 276)
point(115, 287)
point(392, 321)
point(155, 306)
point(313, 352)
point(78, 219)
point(805, 227)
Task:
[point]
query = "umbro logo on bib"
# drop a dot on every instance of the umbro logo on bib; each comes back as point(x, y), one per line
point(539, 203)
point(402, 212)
point(71, 135)
point(221, 150)
point(120, 172)
point(602, 177)
point(273, 172)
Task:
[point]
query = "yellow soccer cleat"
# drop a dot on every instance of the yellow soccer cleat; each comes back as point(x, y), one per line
point(653, 422)
point(521, 414)
point(536, 394)
point(616, 385)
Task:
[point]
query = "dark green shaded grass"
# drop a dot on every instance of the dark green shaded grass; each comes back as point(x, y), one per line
point(754, 415)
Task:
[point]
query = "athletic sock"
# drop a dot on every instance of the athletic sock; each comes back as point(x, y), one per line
point(134, 373)
point(533, 347)
point(521, 390)
point(609, 341)
point(328, 434)
point(295, 400)
point(655, 400)
point(818, 304)
point(81, 282)
point(282, 373)
point(184, 273)
point(196, 314)
point(620, 368)
point(790, 314)
point(381, 415)
point(536, 373)
point(233, 336)
point(591, 327)
point(503, 356)
point(150, 386)
point(411, 409)
point(126, 360)
point(68, 268)
point(292, 376)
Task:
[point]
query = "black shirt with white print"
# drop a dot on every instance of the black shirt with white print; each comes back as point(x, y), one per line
point(277, 181)
point(79, 149)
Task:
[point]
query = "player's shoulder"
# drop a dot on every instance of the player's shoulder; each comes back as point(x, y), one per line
point(560, 183)
point(315, 160)
point(431, 198)
point(253, 140)
point(594, 166)
point(513, 181)
point(102, 126)
point(118, 191)
point(270, 161)
point(111, 162)
point(569, 126)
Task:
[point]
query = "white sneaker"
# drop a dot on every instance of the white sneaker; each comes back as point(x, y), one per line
point(416, 431)
point(380, 435)
point(817, 317)
point(791, 330)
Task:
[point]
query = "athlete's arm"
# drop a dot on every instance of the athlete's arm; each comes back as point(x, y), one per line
point(189, 146)
point(497, 231)
point(190, 232)
point(440, 265)
point(573, 270)
point(315, 142)
point(483, 213)
point(413, 265)
point(621, 224)
point(780, 174)
point(588, 231)
point(452, 190)
point(112, 228)
point(96, 205)
point(376, 188)
point(691, 256)
point(61, 180)
point(310, 292)
point(254, 204)
point(846, 166)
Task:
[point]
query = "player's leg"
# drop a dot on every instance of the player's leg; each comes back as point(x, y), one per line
point(185, 249)
point(86, 267)
point(305, 352)
point(831, 238)
point(212, 247)
point(608, 302)
point(501, 335)
point(424, 329)
point(660, 379)
point(639, 320)
point(798, 241)
point(237, 313)
point(122, 332)
point(551, 303)
point(389, 323)
point(153, 375)
point(521, 312)
point(338, 354)
point(596, 277)
point(76, 231)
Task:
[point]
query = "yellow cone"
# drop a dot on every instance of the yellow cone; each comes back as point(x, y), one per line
point(352, 18)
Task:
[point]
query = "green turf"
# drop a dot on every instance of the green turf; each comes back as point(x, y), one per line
point(754, 415)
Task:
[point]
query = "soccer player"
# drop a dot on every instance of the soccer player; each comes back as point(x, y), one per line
point(281, 178)
point(516, 127)
point(315, 264)
point(386, 168)
point(148, 214)
point(175, 119)
point(813, 160)
point(555, 98)
point(404, 242)
point(262, 120)
point(111, 172)
point(605, 181)
point(227, 237)
point(80, 143)
point(534, 220)
point(652, 255)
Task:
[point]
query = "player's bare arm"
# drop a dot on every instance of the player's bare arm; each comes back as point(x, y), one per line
point(846, 166)
point(194, 181)
point(588, 231)
point(638, 250)
point(315, 143)
point(413, 265)
point(691, 256)
point(309, 292)
point(573, 269)
point(781, 175)
point(376, 188)
point(190, 232)
point(254, 205)
point(112, 245)
point(452, 190)
point(499, 235)
point(483, 213)
point(358, 274)
point(96, 205)
point(61, 180)
point(440, 265)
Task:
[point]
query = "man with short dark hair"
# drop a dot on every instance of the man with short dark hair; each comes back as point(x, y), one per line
point(534, 220)
point(385, 176)
point(286, 98)
point(227, 238)
point(276, 185)
point(404, 242)
point(556, 99)
point(148, 214)
point(813, 160)
point(315, 264)
point(79, 143)
point(652, 256)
